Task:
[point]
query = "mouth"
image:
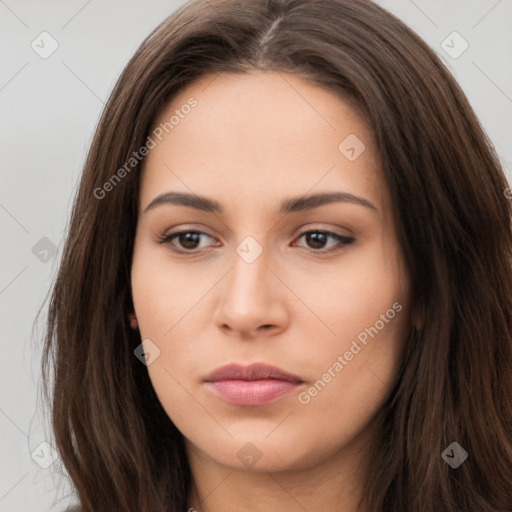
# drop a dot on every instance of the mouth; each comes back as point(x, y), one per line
point(256, 384)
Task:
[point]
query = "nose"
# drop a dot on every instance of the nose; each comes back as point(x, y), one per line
point(252, 299)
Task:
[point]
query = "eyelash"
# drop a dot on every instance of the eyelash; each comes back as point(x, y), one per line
point(167, 239)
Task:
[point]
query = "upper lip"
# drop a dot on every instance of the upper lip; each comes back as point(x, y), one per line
point(255, 371)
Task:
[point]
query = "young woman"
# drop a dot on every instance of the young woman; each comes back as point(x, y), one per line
point(287, 279)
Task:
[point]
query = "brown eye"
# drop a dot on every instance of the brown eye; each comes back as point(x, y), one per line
point(187, 240)
point(317, 240)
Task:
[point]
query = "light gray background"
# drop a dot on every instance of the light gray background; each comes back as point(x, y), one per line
point(50, 108)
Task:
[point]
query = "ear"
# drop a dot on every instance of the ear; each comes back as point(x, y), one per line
point(133, 320)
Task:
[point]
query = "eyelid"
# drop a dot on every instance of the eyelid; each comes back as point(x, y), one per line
point(185, 228)
point(299, 232)
point(344, 240)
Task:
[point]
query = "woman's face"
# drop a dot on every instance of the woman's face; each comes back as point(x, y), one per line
point(268, 281)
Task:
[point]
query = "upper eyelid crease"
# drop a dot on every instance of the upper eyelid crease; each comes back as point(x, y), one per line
point(290, 205)
point(344, 240)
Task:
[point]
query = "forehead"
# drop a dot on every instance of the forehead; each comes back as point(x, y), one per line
point(260, 135)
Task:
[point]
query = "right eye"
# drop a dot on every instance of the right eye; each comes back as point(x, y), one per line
point(187, 240)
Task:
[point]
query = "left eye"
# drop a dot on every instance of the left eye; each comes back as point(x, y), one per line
point(317, 239)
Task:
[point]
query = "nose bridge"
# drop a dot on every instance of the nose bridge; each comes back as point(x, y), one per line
point(249, 297)
point(248, 280)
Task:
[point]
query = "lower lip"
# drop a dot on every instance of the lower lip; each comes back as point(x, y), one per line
point(252, 392)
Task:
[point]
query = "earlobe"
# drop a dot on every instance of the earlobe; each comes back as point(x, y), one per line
point(133, 320)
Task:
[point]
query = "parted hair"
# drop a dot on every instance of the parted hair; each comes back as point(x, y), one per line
point(119, 448)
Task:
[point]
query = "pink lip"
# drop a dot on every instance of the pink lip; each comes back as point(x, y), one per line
point(256, 384)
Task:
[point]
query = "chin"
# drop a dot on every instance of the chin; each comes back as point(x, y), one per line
point(259, 454)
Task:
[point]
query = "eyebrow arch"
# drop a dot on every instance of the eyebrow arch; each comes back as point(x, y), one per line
point(291, 205)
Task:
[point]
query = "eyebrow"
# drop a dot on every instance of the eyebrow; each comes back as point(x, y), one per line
point(291, 205)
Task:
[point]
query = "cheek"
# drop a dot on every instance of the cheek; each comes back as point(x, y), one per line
point(164, 293)
point(353, 372)
point(349, 295)
point(162, 297)
point(167, 300)
point(355, 363)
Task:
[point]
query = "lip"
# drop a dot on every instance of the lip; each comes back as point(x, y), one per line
point(254, 371)
point(256, 384)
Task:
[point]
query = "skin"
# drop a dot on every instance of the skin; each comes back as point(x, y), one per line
point(252, 141)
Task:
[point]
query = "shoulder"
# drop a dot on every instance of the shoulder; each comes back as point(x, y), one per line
point(73, 508)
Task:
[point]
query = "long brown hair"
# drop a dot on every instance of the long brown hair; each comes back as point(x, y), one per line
point(453, 220)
